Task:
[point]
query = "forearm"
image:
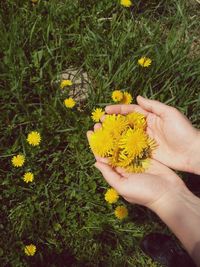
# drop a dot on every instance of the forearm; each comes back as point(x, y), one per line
point(182, 215)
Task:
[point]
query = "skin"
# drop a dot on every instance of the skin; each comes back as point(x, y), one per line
point(162, 191)
point(159, 188)
point(178, 141)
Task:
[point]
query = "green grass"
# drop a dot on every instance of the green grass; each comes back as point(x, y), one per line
point(63, 211)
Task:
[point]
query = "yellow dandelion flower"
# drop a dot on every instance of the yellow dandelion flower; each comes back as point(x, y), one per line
point(133, 142)
point(126, 3)
point(18, 161)
point(117, 95)
point(114, 158)
point(123, 140)
point(69, 102)
point(111, 196)
point(28, 177)
point(152, 143)
point(136, 120)
point(138, 168)
point(101, 143)
point(127, 98)
point(65, 83)
point(97, 114)
point(121, 212)
point(34, 138)
point(124, 159)
point(115, 124)
point(30, 250)
point(144, 62)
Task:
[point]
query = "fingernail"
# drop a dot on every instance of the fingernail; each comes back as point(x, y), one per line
point(107, 109)
point(143, 97)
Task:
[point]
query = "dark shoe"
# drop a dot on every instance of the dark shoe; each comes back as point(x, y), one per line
point(163, 249)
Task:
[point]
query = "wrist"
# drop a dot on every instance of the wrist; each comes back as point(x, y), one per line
point(170, 201)
point(194, 155)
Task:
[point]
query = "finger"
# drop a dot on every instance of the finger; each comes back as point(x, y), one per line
point(100, 159)
point(122, 172)
point(103, 118)
point(97, 126)
point(113, 178)
point(125, 109)
point(153, 106)
point(89, 133)
point(150, 132)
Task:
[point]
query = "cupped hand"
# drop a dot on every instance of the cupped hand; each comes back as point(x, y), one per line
point(177, 139)
point(146, 188)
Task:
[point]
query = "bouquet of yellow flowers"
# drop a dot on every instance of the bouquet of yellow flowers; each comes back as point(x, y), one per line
point(124, 141)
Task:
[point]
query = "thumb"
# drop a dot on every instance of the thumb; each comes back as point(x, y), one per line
point(153, 106)
point(114, 179)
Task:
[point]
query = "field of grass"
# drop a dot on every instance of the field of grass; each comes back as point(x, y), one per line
point(63, 211)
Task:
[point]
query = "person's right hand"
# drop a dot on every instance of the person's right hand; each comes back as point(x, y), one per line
point(178, 141)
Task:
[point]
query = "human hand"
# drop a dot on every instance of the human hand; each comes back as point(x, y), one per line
point(178, 141)
point(142, 188)
point(145, 189)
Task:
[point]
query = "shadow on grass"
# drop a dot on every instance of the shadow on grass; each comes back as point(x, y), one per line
point(141, 215)
point(52, 259)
